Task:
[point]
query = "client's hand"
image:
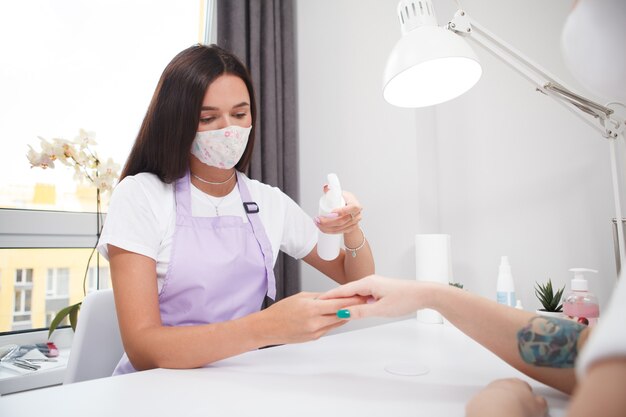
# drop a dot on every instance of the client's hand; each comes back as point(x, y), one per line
point(386, 297)
point(506, 397)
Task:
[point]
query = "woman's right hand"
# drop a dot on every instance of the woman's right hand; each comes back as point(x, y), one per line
point(304, 317)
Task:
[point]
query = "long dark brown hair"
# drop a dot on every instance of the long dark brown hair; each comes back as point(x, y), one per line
point(169, 127)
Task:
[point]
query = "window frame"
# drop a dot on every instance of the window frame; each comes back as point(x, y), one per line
point(43, 229)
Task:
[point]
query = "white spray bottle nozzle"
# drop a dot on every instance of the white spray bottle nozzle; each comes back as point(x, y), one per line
point(333, 198)
point(579, 283)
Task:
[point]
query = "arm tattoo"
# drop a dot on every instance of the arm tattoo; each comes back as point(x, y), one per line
point(551, 342)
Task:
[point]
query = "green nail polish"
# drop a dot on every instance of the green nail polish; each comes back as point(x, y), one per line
point(343, 314)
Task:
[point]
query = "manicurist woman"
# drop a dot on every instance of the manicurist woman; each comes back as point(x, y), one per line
point(192, 241)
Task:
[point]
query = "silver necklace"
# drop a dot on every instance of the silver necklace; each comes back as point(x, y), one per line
point(213, 183)
point(216, 206)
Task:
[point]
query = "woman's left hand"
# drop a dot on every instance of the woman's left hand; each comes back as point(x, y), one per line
point(342, 220)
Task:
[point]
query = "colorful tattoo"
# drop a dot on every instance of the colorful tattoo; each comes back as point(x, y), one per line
point(548, 341)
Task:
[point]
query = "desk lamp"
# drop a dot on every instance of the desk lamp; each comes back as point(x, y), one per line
point(431, 64)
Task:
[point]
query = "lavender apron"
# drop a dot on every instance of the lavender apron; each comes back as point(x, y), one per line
point(220, 267)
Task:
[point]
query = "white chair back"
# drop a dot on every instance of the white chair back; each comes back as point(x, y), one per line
point(97, 345)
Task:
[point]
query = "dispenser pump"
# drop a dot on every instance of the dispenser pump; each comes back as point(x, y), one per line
point(579, 283)
point(580, 304)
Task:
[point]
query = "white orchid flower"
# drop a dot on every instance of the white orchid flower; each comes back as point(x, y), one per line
point(40, 160)
point(78, 155)
point(85, 138)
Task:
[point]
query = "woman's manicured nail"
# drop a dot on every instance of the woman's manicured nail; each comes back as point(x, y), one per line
point(343, 314)
point(330, 215)
point(316, 220)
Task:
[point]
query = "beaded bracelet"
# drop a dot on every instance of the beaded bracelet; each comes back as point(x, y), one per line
point(353, 250)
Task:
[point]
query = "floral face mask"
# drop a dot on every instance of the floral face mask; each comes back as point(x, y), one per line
point(221, 148)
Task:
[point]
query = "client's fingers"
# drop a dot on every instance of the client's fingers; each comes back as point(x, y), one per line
point(353, 288)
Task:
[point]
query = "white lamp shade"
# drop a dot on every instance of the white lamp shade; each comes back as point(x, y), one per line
point(427, 66)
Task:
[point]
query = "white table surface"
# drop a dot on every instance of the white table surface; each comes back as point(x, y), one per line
point(338, 375)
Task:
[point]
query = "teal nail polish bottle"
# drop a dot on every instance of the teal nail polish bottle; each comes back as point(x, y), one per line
point(343, 314)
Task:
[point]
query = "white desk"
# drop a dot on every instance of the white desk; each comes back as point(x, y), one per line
point(339, 375)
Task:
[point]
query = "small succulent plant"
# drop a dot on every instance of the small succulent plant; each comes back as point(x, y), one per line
point(550, 300)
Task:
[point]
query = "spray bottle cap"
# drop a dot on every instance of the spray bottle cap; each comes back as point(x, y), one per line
point(505, 266)
point(332, 199)
point(579, 283)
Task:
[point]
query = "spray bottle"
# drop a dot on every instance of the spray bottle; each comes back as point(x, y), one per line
point(580, 304)
point(328, 245)
point(505, 286)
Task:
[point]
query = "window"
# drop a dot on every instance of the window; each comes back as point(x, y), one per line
point(23, 299)
point(91, 65)
point(23, 276)
point(53, 280)
point(58, 283)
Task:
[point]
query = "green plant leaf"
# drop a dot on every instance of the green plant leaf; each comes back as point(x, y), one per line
point(69, 310)
point(74, 316)
point(548, 299)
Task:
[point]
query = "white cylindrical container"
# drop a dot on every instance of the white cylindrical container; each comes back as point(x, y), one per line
point(329, 245)
point(505, 287)
point(433, 262)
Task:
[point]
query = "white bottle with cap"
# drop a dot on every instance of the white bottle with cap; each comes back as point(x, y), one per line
point(329, 245)
point(580, 304)
point(505, 286)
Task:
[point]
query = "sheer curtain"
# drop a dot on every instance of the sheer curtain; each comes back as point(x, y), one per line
point(261, 33)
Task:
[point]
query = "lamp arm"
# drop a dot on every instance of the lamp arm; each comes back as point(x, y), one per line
point(603, 118)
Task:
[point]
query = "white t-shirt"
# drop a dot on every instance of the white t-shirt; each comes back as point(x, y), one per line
point(142, 218)
point(608, 339)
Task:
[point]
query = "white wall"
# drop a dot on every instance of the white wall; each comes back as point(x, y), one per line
point(346, 127)
point(503, 169)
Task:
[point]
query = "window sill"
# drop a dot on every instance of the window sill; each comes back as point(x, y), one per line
point(52, 373)
point(16, 381)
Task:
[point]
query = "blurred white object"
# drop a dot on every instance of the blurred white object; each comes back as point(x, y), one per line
point(593, 46)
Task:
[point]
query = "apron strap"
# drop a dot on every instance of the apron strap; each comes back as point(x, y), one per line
point(252, 210)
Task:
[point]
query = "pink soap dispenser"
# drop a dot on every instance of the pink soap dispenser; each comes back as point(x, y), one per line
point(580, 304)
